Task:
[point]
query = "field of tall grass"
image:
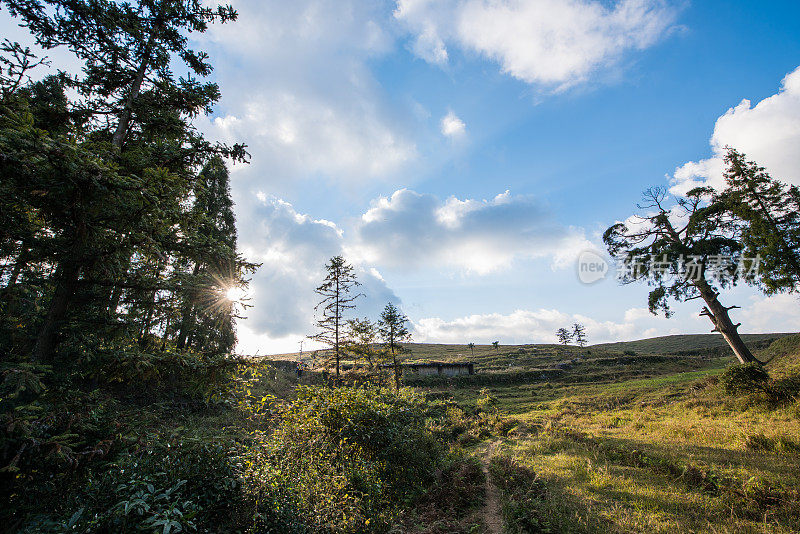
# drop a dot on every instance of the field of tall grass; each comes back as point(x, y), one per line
point(691, 451)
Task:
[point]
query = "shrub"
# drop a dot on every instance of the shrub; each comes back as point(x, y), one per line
point(159, 484)
point(486, 401)
point(344, 460)
point(744, 379)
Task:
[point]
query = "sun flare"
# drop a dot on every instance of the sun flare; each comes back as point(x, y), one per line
point(234, 294)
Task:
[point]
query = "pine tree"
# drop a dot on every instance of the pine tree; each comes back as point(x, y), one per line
point(579, 334)
point(102, 181)
point(335, 290)
point(770, 213)
point(393, 331)
point(564, 336)
point(206, 312)
point(673, 248)
point(471, 349)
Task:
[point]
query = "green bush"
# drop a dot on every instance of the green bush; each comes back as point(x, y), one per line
point(744, 379)
point(343, 460)
point(162, 483)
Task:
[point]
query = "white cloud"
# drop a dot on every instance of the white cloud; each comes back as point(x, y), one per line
point(452, 126)
point(298, 135)
point(293, 249)
point(779, 313)
point(768, 133)
point(408, 229)
point(552, 43)
point(539, 326)
point(297, 89)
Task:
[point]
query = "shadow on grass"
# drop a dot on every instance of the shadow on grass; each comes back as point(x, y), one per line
point(632, 486)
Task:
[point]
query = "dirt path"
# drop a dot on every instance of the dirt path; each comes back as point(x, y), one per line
point(491, 510)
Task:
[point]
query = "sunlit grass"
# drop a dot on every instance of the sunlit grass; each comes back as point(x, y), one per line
point(669, 453)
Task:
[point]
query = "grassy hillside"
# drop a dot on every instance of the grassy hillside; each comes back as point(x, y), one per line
point(647, 445)
point(688, 342)
point(544, 356)
point(656, 435)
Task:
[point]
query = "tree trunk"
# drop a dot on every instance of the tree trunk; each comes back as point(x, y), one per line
point(47, 338)
point(125, 117)
point(396, 364)
point(336, 325)
point(186, 317)
point(166, 334)
point(116, 291)
point(22, 260)
point(150, 309)
point(718, 314)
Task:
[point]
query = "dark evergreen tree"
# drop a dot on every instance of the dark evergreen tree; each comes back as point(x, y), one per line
point(770, 213)
point(564, 336)
point(104, 180)
point(579, 334)
point(393, 330)
point(335, 290)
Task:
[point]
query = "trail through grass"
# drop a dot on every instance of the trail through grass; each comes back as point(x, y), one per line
point(614, 447)
point(491, 511)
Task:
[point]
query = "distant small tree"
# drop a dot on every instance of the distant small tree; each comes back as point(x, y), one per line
point(361, 337)
point(335, 291)
point(471, 349)
point(579, 334)
point(564, 336)
point(496, 345)
point(393, 330)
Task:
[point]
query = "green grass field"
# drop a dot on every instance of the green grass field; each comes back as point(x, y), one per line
point(649, 445)
point(637, 436)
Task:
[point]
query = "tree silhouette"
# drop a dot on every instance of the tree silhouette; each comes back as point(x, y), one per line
point(564, 336)
point(471, 349)
point(103, 172)
point(393, 331)
point(335, 290)
point(496, 345)
point(579, 334)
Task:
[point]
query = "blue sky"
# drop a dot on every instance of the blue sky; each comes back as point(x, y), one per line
point(461, 153)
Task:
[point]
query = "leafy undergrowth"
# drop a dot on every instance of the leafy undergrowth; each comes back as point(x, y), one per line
point(702, 451)
point(250, 451)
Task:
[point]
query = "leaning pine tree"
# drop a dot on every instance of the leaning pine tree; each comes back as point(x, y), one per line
point(684, 248)
point(335, 291)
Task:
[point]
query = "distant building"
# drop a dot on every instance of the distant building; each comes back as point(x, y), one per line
point(437, 368)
